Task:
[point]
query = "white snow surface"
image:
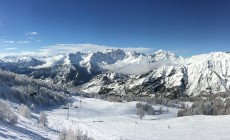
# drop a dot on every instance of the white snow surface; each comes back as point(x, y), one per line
point(105, 120)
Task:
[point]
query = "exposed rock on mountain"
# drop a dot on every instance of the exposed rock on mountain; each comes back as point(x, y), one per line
point(123, 73)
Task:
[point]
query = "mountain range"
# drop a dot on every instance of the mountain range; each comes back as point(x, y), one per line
point(118, 72)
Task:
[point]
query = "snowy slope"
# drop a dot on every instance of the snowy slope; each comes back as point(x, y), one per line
point(209, 73)
point(112, 121)
point(104, 120)
point(25, 129)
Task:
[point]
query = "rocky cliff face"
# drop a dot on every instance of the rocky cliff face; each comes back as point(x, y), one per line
point(123, 73)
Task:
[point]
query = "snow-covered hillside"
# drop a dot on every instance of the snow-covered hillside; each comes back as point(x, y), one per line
point(103, 120)
point(208, 73)
point(119, 72)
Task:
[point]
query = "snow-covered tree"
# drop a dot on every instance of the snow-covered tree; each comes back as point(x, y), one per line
point(63, 134)
point(42, 121)
point(73, 135)
point(32, 107)
point(24, 111)
point(147, 108)
point(7, 115)
point(12, 118)
point(26, 89)
point(139, 105)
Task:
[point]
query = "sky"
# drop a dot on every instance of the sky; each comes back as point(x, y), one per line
point(184, 27)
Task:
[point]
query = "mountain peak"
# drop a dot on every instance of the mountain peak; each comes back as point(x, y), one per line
point(164, 55)
point(212, 56)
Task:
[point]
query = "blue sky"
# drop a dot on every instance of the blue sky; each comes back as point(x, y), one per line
point(185, 27)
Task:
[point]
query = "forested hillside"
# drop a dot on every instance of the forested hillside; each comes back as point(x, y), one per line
point(21, 88)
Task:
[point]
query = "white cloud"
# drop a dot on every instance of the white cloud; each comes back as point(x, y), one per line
point(73, 48)
point(32, 33)
point(12, 41)
point(20, 54)
point(50, 61)
point(136, 68)
point(139, 49)
point(139, 67)
point(23, 42)
point(8, 41)
point(10, 48)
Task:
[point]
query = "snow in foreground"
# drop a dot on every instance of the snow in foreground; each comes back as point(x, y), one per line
point(104, 120)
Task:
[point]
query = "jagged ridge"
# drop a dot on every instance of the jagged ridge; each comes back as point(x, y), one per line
point(118, 72)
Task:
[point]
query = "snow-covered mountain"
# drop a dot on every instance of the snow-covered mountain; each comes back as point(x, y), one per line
point(119, 72)
point(208, 73)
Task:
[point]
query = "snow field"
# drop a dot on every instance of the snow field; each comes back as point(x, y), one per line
point(105, 120)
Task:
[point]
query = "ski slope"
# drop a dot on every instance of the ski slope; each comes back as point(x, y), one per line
point(105, 120)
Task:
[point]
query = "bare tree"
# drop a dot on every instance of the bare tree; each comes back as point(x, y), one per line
point(63, 135)
point(42, 121)
point(141, 113)
point(7, 115)
point(73, 135)
point(24, 111)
